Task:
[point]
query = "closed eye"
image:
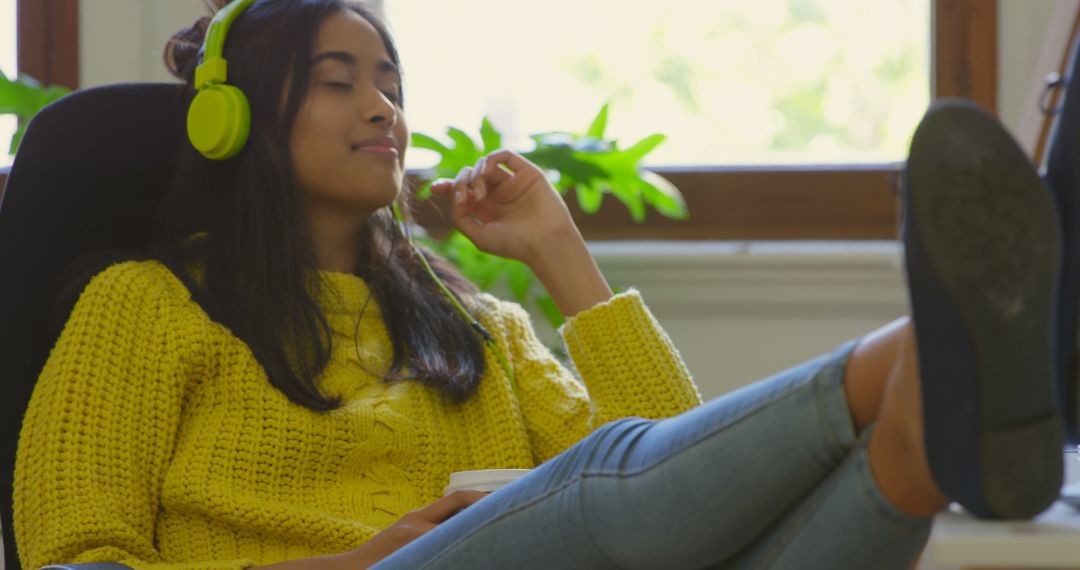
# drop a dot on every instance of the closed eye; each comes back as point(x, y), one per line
point(345, 87)
point(392, 96)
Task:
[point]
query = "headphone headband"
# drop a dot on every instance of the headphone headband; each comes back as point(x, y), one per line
point(213, 70)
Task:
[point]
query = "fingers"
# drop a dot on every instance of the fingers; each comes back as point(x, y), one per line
point(461, 191)
point(514, 161)
point(463, 205)
point(489, 172)
point(477, 179)
point(449, 505)
point(495, 174)
point(444, 186)
point(441, 186)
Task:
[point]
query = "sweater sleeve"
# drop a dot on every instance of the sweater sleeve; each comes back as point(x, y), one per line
point(627, 366)
point(102, 422)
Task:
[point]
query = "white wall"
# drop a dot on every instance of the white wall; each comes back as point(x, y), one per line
point(108, 56)
point(1021, 26)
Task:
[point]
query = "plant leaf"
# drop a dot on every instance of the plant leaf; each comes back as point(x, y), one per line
point(521, 279)
point(635, 204)
point(424, 191)
point(54, 92)
point(590, 144)
point(626, 187)
point(491, 137)
point(20, 99)
point(420, 140)
point(47, 96)
point(588, 197)
point(643, 147)
point(599, 124)
point(566, 161)
point(464, 143)
point(18, 136)
point(663, 196)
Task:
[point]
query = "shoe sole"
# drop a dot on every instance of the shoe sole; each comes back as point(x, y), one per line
point(981, 246)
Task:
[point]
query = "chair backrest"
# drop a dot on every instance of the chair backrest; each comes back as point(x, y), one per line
point(86, 178)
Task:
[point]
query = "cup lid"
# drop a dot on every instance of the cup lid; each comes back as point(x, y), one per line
point(485, 476)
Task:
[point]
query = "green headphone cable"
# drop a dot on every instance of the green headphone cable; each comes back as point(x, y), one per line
point(489, 340)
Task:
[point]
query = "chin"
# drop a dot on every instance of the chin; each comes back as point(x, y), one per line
point(384, 197)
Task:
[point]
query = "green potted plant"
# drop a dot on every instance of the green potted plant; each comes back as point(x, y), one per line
point(588, 163)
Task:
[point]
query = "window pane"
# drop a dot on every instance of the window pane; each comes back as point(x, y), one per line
point(729, 82)
point(8, 64)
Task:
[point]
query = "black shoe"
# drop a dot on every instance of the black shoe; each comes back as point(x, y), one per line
point(981, 245)
point(1063, 178)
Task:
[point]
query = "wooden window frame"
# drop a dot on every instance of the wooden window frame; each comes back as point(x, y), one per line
point(725, 203)
point(49, 41)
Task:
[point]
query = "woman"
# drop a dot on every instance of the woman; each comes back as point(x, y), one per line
point(284, 387)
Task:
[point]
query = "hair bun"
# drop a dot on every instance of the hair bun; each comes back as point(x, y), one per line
point(182, 49)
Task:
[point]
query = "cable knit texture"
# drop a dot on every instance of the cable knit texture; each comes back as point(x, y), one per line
point(154, 438)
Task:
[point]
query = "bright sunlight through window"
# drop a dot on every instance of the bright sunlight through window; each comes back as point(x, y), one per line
point(729, 82)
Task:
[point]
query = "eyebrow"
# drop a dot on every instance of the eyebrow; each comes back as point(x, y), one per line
point(383, 66)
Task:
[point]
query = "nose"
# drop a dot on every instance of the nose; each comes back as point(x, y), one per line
point(380, 111)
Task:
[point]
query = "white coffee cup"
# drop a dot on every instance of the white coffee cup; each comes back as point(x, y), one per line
point(485, 480)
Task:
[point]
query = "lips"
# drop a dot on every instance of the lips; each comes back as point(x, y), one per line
point(378, 144)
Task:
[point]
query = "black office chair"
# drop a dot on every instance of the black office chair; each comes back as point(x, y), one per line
point(86, 179)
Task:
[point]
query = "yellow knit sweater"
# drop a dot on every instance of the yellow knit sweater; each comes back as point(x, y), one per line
point(154, 438)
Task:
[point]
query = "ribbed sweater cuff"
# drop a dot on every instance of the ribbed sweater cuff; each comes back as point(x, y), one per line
point(627, 361)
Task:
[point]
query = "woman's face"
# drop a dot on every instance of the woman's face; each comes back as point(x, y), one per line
point(348, 142)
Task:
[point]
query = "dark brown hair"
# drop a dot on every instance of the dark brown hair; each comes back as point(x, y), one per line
point(259, 276)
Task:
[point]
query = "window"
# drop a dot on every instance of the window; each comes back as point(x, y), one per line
point(8, 43)
point(729, 82)
point(756, 202)
point(748, 201)
point(744, 202)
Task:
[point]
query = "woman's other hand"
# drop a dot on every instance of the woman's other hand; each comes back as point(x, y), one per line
point(407, 529)
point(410, 527)
point(507, 207)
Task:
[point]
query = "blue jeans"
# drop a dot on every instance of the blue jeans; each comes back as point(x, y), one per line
point(770, 476)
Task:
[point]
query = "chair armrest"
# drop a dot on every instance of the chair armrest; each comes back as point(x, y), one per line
point(87, 566)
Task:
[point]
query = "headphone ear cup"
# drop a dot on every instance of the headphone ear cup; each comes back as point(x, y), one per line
point(219, 121)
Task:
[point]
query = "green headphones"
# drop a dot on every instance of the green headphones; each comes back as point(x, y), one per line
point(218, 124)
point(219, 119)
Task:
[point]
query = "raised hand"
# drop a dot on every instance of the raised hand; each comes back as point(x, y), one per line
point(506, 206)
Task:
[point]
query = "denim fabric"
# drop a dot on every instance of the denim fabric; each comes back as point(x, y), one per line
point(769, 476)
